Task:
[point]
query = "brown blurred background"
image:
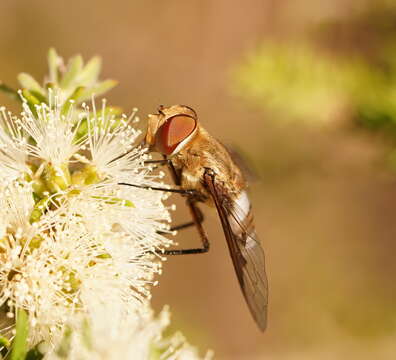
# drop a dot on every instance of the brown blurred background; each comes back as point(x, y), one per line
point(325, 204)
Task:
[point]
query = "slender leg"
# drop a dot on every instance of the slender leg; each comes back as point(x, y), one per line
point(175, 175)
point(156, 162)
point(204, 239)
point(197, 221)
point(187, 224)
point(159, 162)
point(192, 196)
point(190, 193)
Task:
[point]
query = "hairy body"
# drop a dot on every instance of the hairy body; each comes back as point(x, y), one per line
point(205, 169)
point(204, 152)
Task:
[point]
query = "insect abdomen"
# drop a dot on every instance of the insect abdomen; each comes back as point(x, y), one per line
point(241, 219)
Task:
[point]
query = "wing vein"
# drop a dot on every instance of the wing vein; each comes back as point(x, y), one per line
point(246, 252)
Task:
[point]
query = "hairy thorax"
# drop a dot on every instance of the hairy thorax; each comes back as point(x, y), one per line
point(202, 153)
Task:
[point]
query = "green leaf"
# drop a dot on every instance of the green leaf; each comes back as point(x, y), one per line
point(54, 60)
point(19, 345)
point(39, 97)
point(82, 130)
point(28, 82)
point(72, 98)
point(89, 75)
point(73, 69)
point(31, 100)
point(9, 91)
point(97, 90)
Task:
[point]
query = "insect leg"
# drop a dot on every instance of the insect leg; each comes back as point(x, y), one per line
point(146, 162)
point(195, 213)
point(197, 220)
point(190, 193)
point(159, 162)
point(187, 224)
point(174, 173)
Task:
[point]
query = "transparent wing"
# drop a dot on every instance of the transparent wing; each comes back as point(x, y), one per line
point(245, 249)
point(243, 162)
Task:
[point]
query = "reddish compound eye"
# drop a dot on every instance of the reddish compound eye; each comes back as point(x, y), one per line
point(173, 132)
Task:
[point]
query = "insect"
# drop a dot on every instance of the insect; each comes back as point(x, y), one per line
point(205, 172)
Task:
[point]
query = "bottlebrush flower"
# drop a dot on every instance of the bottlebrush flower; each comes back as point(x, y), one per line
point(131, 336)
point(78, 251)
point(70, 233)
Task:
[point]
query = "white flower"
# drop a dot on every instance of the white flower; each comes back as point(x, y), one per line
point(78, 251)
point(13, 151)
point(53, 132)
point(126, 336)
point(70, 235)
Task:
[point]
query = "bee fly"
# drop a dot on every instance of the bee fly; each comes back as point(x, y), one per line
point(205, 172)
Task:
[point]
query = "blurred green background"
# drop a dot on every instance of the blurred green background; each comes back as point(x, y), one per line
point(307, 90)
